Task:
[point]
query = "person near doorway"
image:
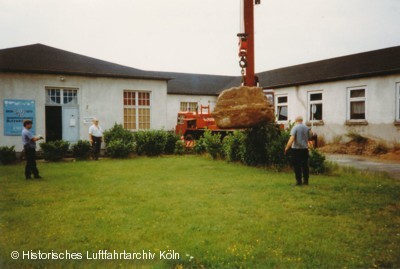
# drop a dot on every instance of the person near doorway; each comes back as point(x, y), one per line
point(298, 143)
point(29, 143)
point(96, 137)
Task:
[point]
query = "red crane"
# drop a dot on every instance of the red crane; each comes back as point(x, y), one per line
point(246, 44)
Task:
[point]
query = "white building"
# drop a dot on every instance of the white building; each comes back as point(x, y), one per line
point(67, 90)
point(63, 91)
point(356, 93)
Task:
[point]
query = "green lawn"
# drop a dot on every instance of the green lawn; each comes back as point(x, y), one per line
point(212, 213)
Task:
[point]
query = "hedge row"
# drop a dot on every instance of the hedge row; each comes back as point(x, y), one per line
point(259, 146)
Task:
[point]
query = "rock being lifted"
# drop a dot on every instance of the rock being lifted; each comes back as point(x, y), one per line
point(242, 107)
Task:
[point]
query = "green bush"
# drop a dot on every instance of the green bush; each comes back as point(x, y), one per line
point(8, 155)
point(82, 149)
point(255, 146)
point(119, 148)
point(262, 145)
point(180, 147)
point(317, 162)
point(150, 143)
point(54, 150)
point(200, 146)
point(275, 147)
point(117, 132)
point(213, 144)
point(233, 145)
point(171, 143)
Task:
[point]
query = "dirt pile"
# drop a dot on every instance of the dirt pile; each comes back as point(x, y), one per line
point(366, 147)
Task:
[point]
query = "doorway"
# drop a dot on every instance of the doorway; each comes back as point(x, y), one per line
point(53, 123)
point(62, 123)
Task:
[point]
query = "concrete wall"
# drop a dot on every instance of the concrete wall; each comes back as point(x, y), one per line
point(175, 100)
point(380, 107)
point(97, 97)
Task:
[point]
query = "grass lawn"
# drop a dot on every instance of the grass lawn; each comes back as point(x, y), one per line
point(212, 213)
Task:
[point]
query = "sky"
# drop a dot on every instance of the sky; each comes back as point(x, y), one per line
point(199, 36)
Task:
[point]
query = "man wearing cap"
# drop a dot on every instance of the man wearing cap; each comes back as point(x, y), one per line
point(95, 136)
point(298, 142)
point(29, 142)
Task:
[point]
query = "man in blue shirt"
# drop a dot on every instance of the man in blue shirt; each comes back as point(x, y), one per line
point(298, 142)
point(29, 142)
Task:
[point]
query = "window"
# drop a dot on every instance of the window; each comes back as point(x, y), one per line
point(356, 105)
point(398, 102)
point(136, 110)
point(188, 106)
point(61, 96)
point(315, 100)
point(282, 108)
point(270, 96)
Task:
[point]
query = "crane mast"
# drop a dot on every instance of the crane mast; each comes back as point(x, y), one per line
point(246, 44)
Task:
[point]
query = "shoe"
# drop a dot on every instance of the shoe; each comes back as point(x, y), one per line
point(38, 177)
point(28, 178)
point(305, 183)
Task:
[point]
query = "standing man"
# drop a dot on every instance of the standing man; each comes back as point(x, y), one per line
point(96, 137)
point(29, 142)
point(298, 141)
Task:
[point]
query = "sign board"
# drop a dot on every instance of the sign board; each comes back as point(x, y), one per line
point(88, 120)
point(15, 112)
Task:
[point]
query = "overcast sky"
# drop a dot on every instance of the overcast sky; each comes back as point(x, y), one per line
point(199, 36)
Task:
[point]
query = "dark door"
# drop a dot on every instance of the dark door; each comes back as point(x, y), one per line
point(53, 123)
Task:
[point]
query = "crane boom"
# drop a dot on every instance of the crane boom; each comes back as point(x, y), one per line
point(246, 51)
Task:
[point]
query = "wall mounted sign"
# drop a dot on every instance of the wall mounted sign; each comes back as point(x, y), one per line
point(15, 112)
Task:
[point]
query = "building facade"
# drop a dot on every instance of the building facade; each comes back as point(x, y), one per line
point(63, 91)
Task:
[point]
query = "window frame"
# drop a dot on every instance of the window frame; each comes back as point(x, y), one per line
point(310, 103)
point(137, 107)
point(62, 91)
point(357, 99)
point(188, 104)
point(277, 104)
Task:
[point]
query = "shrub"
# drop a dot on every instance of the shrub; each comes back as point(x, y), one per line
point(317, 162)
point(233, 146)
point(117, 132)
point(119, 148)
point(180, 147)
point(263, 145)
point(8, 155)
point(213, 144)
point(81, 150)
point(275, 146)
point(150, 143)
point(200, 146)
point(170, 145)
point(54, 150)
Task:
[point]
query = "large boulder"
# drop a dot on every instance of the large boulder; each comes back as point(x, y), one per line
point(242, 107)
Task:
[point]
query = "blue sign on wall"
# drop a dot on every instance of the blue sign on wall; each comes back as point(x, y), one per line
point(15, 112)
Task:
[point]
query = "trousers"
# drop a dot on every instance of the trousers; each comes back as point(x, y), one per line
point(300, 165)
point(30, 167)
point(96, 147)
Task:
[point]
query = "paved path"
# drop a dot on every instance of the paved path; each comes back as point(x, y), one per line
point(362, 163)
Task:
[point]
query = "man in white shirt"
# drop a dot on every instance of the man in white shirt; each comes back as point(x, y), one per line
point(96, 137)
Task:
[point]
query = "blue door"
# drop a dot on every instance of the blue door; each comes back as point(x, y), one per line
point(70, 124)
